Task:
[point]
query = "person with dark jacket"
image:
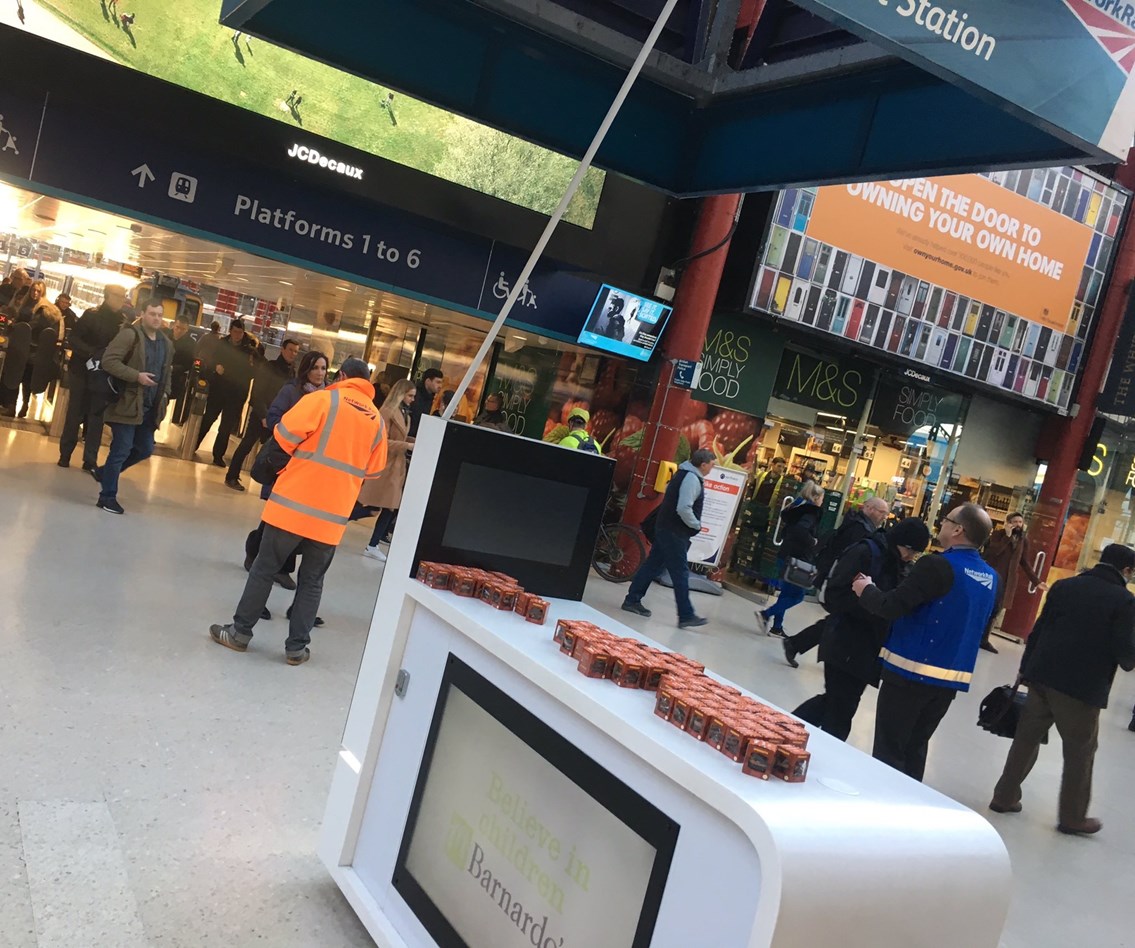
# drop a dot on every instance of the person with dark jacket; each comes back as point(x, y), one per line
point(857, 526)
point(63, 304)
point(801, 524)
point(184, 355)
point(427, 390)
point(677, 522)
point(852, 636)
point(15, 363)
point(270, 378)
point(93, 333)
point(493, 416)
point(228, 388)
point(40, 368)
point(310, 377)
point(1084, 633)
point(138, 359)
point(937, 615)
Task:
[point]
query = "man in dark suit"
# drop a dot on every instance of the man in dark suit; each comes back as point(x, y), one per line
point(1085, 632)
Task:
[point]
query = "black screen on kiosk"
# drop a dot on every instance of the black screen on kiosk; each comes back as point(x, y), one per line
point(518, 506)
point(516, 838)
point(479, 527)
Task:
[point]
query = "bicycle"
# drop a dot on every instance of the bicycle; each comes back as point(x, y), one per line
point(619, 552)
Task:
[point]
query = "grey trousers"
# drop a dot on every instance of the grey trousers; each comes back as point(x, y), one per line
point(276, 546)
point(1078, 725)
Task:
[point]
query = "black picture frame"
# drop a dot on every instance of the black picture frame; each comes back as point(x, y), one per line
point(631, 808)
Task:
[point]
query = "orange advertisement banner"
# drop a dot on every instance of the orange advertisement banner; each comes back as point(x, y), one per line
point(964, 233)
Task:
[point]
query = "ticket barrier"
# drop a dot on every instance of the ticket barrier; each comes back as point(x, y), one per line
point(199, 396)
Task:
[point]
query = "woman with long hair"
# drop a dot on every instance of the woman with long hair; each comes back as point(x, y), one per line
point(801, 527)
point(385, 491)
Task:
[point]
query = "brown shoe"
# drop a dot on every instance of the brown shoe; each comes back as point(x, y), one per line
point(1004, 807)
point(298, 658)
point(223, 635)
point(1088, 827)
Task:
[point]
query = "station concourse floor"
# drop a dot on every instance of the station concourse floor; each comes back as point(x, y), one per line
point(158, 790)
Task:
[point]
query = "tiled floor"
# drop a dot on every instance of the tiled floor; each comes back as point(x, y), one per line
point(194, 778)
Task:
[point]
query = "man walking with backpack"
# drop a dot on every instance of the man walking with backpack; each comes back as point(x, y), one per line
point(857, 526)
point(677, 522)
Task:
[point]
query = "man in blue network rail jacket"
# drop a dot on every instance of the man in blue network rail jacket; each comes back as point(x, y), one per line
point(938, 615)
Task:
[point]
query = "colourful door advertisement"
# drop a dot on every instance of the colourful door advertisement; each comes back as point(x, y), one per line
point(996, 278)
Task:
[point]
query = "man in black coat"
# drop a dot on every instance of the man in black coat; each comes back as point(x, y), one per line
point(228, 388)
point(93, 333)
point(184, 355)
point(428, 388)
point(270, 378)
point(1085, 632)
point(857, 526)
point(853, 636)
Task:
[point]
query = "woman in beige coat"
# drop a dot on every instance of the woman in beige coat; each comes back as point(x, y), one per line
point(384, 493)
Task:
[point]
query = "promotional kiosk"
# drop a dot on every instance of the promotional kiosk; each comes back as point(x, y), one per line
point(488, 795)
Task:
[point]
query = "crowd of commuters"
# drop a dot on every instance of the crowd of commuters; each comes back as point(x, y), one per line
point(909, 624)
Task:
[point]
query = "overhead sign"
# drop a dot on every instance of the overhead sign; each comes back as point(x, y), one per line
point(738, 364)
point(1065, 62)
point(996, 278)
point(836, 386)
point(220, 196)
point(964, 232)
point(907, 402)
point(1118, 396)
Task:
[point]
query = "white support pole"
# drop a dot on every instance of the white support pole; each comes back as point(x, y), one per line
point(554, 220)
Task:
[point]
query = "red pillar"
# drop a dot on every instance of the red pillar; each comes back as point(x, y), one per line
point(683, 339)
point(1063, 439)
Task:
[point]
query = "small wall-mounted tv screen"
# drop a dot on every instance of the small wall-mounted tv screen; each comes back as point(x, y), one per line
point(624, 323)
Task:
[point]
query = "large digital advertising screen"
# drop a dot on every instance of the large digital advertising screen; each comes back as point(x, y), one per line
point(516, 839)
point(624, 323)
point(996, 277)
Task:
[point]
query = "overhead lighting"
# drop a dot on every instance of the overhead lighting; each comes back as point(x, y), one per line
point(285, 282)
point(345, 289)
point(93, 230)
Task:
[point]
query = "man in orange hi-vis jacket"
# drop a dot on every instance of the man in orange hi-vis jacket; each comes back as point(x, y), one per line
point(336, 439)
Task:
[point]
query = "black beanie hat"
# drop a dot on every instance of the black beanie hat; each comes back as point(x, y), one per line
point(910, 533)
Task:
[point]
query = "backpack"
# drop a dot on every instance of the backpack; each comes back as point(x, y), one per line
point(876, 543)
point(584, 442)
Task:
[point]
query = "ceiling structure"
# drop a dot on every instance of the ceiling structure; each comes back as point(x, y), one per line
point(740, 95)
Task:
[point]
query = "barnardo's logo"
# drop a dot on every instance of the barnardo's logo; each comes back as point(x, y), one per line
point(313, 157)
point(1112, 25)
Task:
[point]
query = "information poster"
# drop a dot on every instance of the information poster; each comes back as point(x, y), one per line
point(515, 854)
point(995, 278)
point(723, 491)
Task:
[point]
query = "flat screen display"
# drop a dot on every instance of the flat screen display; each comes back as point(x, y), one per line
point(515, 838)
point(480, 528)
point(996, 278)
point(624, 323)
point(517, 506)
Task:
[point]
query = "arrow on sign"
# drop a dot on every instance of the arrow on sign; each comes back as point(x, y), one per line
point(144, 174)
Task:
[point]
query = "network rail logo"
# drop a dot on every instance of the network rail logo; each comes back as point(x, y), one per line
point(1112, 25)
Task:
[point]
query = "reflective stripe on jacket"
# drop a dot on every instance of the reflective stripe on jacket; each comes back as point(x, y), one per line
point(336, 439)
point(938, 643)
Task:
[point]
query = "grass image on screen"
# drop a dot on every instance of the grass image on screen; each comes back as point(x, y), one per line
point(183, 43)
point(624, 323)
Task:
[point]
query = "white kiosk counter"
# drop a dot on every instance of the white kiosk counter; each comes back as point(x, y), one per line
point(489, 795)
